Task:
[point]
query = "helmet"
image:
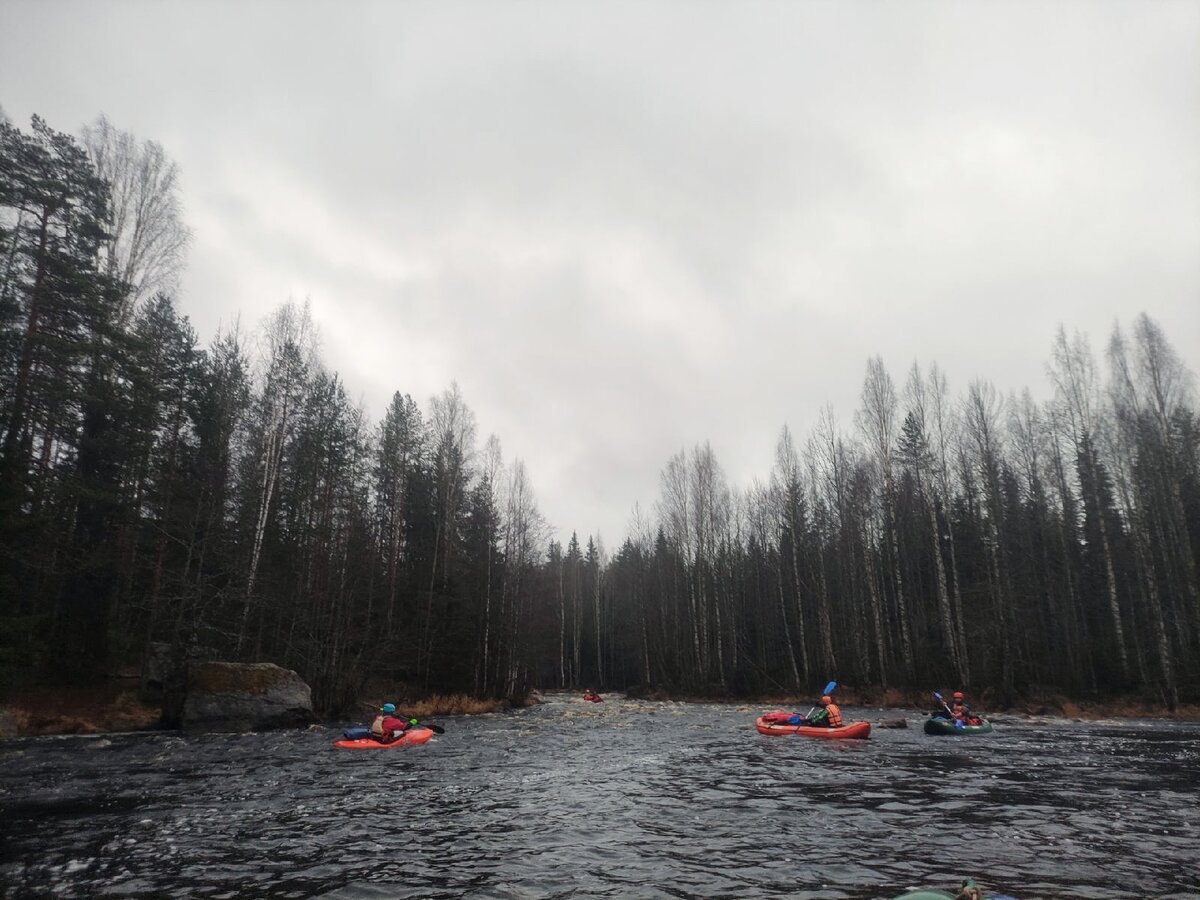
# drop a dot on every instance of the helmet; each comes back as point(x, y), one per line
point(826, 700)
point(389, 707)
point(958, 695)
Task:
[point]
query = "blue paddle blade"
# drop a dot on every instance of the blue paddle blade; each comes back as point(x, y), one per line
point(936, 694)
point(829, 687)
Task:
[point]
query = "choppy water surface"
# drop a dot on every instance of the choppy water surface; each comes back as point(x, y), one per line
point(624, 799)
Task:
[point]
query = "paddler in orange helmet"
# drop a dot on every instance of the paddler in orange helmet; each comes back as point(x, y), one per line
point(828, 716)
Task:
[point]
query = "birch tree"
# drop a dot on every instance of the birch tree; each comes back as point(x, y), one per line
point(1152, 391)
point(787, 491)
point(524, 532)
point(676, 511)
point(877, 419)
point(709, 501)
point(288, 346)
point(916, 452)
point(146, 246)
point(490, 475)
point(982, 414)
point(1149, 387)
point(452, 442)
point(1072, 372)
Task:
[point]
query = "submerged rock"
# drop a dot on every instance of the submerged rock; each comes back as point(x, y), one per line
point(893, 723)
point(228, 696)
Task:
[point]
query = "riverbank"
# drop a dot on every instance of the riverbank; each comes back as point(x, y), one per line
point(110, 706)
point(117, 706)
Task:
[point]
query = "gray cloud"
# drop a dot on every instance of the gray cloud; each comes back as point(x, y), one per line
point(625, 228)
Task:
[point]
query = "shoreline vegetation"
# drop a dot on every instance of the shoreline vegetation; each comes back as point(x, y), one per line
point(1034, 705)
point(117, 706)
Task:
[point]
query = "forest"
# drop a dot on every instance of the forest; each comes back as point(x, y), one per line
point(230, 500)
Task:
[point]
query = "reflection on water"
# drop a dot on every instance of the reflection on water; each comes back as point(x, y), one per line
point(621, 799)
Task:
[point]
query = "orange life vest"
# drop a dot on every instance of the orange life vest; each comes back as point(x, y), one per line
point(960, 710)
point(835, 715)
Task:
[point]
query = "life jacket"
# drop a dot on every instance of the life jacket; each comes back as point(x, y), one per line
point(835, 715)
point(392, 729)
point(960, 711)
point(377, 726)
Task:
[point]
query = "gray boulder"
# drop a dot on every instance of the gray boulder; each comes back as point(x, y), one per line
point(228, 696)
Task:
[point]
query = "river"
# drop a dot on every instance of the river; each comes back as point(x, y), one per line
point(621, 799)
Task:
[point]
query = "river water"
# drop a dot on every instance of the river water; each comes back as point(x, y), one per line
point(621, 799)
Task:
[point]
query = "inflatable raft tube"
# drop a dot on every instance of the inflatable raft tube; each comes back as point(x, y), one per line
point(853, 730)
point(939, 725)
point(414, 735)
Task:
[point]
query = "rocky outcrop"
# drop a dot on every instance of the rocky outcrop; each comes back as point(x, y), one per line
point(165, 676)
point(228, 696)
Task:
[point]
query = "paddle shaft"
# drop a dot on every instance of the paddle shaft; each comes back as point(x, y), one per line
point(944, 706)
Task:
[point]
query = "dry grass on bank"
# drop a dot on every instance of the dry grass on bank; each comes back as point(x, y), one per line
point(81, 710)
point(411, 700)
point(451, 705)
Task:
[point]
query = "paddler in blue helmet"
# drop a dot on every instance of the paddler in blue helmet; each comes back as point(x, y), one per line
point(388, 709)
point(387, 727)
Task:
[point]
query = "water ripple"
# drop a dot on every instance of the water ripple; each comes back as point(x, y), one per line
point(630, 799)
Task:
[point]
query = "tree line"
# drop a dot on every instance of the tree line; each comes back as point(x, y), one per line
point(231, 500)
point(985, 541)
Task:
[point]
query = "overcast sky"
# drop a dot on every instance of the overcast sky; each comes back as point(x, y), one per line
point(625, 228)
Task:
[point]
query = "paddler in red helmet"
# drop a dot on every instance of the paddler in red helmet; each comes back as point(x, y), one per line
point(959, 708)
